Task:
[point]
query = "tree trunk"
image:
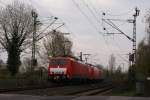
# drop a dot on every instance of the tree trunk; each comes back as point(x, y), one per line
point(13, 61)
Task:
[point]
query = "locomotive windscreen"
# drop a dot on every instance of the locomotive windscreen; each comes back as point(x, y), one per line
point(58, 61)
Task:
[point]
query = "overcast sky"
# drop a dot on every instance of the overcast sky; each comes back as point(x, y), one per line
point(82, 19)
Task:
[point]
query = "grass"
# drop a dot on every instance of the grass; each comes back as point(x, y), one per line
point(124, 93)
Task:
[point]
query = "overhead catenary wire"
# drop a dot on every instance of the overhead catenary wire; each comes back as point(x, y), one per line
point(121, 14)
point(113, 51)
point(60, 19)
point(107, 44)
point(96, 11)
point(102, 24)
point(90, 10)
point(44, 36)
point(88, 19)
point(119, 48)
point(47, 27)
point(109, 22)
point(96, 17)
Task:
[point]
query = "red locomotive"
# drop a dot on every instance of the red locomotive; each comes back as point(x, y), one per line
point(67, 68)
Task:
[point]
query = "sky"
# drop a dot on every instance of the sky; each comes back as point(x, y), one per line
point(83, 20)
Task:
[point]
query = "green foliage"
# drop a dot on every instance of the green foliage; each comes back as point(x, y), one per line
point(130, 92)
point(118, 76)
point(143, 65)
point(27, 79)
point(4, 74)
point(131, 77)
point(143, 59)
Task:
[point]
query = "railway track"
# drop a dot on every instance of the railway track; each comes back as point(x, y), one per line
point(3, 90)
point(105, 89)
point(61, 89)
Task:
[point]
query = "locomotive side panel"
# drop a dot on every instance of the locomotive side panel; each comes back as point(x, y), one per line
point(86, 70)
point(91, 72)
point(96, 73)
point(77, 70)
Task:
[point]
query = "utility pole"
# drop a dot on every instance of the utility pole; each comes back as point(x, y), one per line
point(81, 56)
point(34, 61)
point(132, 57)
point(134, 34)
point(86, 57)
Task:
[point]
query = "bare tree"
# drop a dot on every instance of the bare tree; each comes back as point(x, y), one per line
point(112, 63)
point(148, 25)
point(58, 45)
point(16, 26)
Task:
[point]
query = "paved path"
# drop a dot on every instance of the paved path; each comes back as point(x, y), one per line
point(28, 97)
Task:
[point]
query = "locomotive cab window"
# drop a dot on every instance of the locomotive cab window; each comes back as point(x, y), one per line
point(58, 61)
